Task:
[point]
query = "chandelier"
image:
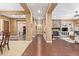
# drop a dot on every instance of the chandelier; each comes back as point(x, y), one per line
point(76, 14)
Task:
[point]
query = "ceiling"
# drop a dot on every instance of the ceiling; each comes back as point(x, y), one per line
point(38, 10)
point(10, 7)
point(65, 11)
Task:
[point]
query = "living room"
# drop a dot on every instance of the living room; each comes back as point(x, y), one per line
point(65, 19)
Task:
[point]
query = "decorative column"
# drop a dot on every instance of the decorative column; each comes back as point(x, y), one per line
point(49, 27)
point(29, 27)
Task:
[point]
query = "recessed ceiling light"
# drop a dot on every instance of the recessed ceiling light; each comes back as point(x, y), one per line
point(39, 18)
point(38, 11)
point(55, 16)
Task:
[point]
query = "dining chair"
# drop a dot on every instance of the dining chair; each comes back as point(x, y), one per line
point(5, 41)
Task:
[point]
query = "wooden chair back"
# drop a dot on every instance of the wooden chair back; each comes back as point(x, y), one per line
point(5, 38)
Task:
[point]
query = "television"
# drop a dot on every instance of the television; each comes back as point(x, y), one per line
point(64, 29)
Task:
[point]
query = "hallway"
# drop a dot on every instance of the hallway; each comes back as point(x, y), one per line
point(58, 47)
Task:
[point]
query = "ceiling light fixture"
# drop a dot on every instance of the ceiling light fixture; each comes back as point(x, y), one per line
point(38, 11)
point(76, 14)
point(39, 18)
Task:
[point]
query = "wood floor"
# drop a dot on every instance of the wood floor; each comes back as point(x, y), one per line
point(58, 47)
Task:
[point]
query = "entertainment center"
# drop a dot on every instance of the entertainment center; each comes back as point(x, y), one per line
point(63, 27)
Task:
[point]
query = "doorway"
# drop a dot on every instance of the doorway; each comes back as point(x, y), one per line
point(6, 26)
point(22, 29)
point(39, 29)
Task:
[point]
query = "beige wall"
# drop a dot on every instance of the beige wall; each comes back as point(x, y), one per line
point(77, 21)
point(13, 27)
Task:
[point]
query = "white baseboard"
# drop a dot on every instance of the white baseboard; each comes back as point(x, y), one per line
point(68, 40)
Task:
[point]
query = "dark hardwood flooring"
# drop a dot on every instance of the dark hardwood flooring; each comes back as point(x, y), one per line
point(58, 47)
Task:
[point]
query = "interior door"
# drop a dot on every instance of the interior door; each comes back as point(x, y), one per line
point(6, 26)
